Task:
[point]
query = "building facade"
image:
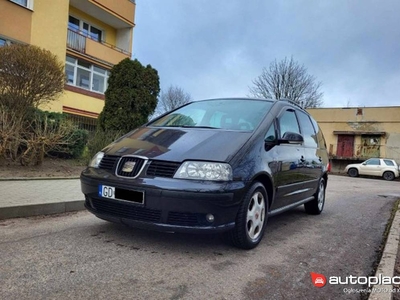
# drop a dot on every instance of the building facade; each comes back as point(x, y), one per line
point(356, 134)
point(89, 36)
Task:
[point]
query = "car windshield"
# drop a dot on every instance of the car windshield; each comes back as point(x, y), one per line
point(237, 114)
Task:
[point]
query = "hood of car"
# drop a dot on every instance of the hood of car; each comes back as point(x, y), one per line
point(179, 144)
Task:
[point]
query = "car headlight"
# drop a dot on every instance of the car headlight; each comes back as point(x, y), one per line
point(201, 170)
point(94, 163)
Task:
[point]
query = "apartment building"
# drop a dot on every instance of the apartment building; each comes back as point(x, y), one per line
point(89, 36)
point(354, 134)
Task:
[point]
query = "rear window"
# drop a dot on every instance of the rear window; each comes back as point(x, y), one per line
point(231, 114)
point(388, 162)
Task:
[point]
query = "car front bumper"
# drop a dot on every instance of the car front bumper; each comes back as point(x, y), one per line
point(173, 205)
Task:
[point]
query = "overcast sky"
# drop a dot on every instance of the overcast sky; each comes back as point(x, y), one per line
point(215, 48)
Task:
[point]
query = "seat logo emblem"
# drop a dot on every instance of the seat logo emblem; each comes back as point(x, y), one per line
point(128, 166)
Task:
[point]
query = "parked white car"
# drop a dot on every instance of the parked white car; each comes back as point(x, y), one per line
point(382, 167)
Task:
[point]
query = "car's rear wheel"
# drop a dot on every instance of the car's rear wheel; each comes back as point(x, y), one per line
point(251, 218)
point(315, 206)
point(388, 175)
point(353, 172)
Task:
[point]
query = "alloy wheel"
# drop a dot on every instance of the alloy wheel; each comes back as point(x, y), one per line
point(255, 215)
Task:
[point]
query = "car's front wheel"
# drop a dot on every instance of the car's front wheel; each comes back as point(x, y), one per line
point(315, 206)
point(251, 218)
point(353, 172)
point(388, 175)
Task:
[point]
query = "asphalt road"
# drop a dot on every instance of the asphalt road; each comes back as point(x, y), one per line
point(77, 256)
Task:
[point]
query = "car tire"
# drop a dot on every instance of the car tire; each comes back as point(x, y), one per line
point(388, 175)
point(251, 219)
point(315, 206)
point(353, 172)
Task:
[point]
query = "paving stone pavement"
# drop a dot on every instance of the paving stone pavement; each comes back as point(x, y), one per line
point(23, 198)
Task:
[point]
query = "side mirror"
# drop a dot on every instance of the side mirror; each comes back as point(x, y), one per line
point(364, 164)
point(291, 138)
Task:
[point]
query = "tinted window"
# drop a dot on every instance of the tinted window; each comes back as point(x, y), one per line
point(288, 123)
point(270, 136)
point(373, 162)
point(320, 136)
point(388, 162)
point(307, 130)
point(240, 115)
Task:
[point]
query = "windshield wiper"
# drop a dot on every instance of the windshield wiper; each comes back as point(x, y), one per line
point(194, 126)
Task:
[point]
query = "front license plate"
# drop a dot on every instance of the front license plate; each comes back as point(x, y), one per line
point(111, 192)
point(107, 191)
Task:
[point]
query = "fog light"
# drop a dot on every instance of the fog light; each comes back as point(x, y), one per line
point(210, 218)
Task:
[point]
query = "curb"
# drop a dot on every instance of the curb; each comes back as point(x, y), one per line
point(37, 178)
point(388, 260)
point(40, 209)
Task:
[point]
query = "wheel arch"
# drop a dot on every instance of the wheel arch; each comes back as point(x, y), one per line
point(267, 182)
point(325, 176)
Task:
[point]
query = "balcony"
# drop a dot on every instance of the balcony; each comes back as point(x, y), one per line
point(116, 13)
point(358, 152)
point(97, 50)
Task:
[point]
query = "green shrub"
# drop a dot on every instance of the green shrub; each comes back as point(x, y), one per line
point(73, 145)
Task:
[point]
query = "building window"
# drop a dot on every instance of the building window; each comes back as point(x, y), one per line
point(25, 3)
point(85, 75)
point(85, 29)
point(5, 42)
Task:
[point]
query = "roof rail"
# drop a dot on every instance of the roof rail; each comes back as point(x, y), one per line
point(291, 102)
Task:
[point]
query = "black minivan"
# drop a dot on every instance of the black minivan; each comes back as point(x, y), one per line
point(219, 165)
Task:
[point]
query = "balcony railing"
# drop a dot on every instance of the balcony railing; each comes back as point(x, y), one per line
point(76, 41)
point(84, 44)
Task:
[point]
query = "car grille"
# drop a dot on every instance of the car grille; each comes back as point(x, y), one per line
point(185, 219)
point(138, 164)
point(125, 210)
point(162, 168)
point(109, 162)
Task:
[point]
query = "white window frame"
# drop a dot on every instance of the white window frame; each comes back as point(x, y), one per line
point(29, 3)
point(91, 71)
point(81, 30)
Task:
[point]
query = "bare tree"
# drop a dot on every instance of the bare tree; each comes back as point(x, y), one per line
point(287, 79)
point(171, 99)
point(40, 136)
point(29, 76)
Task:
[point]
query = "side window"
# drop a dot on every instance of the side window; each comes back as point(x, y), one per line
point(288, 122)
point(270, 135)
point(320, 136)
point(388, 162)
point(307, 129)
point(373, 162)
